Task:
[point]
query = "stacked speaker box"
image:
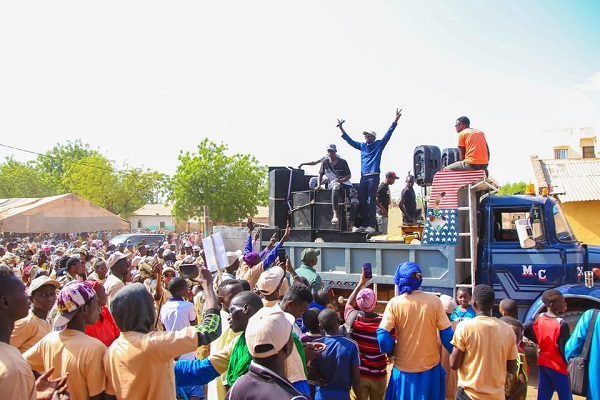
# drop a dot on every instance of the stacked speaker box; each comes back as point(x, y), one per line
point(282, 182)
point(302, 214)
point(323, 212)
point(427, 161)
point(449, 156)
point(312, 210)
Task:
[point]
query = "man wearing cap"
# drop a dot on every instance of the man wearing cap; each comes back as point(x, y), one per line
point(70, 350)
point(309, 258)
point(269, 340)
point(118, 266)
point(338, 175)
point(383, 200)
point(75, 271)
point(31, 329)
point(270, 284)
point(408, 201)
point(370, 160)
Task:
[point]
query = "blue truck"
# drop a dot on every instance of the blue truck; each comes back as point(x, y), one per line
point(520, 245)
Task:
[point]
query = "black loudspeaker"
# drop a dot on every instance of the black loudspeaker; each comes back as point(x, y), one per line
point(449, 156)
point(426, 163)
point(302, 214)
point(322, 214)
point(283, 181)
point(301, 235)
point(278, 213)
point(266, 234)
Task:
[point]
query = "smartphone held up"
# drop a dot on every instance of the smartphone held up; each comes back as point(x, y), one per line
point(368, 270)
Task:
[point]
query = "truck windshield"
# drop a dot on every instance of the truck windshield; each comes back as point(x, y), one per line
point(563, 230)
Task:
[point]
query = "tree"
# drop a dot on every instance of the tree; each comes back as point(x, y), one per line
point(513, 188)
point(55, 162)
point(24, 180)
point(231, 186)
point(92, 178)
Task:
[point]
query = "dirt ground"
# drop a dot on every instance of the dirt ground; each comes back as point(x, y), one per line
point(531, 354)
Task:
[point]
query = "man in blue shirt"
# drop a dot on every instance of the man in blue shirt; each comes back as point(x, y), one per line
point(370, 159)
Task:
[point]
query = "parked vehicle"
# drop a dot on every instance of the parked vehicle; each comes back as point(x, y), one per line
point(151, 239)
point(520, 245)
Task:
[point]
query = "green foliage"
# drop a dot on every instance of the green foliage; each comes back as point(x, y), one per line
point(74, 168)
point(231, 186)
point(513, 188)
point(24, 180)
point(57, 161)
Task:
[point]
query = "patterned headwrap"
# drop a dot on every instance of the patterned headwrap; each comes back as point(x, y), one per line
point(252, 258)
point(402, 278)
point(70, 299)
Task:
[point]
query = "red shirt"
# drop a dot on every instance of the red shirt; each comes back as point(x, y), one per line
point(105, 329)
point(551, 333)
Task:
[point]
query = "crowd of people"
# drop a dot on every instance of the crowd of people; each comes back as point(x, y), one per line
point(84, 319)
point(94, 322)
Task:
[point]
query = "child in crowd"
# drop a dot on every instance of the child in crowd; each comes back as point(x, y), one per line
point(515, 387)
point(177, 314)
point(451, 375)
point(31, 329)
point(551, 333)
point(337, 368)
point(311, 322)
point(463, 310)
point(509, 308)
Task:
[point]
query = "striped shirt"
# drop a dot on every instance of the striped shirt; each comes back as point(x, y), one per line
point(373, 362)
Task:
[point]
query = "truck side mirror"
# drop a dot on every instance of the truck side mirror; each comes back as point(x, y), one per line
point(524, 232)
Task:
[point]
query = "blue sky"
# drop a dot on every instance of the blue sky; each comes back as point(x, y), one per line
point(141, 81)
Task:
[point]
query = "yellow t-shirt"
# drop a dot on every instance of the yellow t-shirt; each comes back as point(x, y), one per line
point(140, 365)
point(74, 352)
point(16, 378)
point(417, 318)
point(112, 285)
point(250, 274)
point(28, 331)
point(484, 338)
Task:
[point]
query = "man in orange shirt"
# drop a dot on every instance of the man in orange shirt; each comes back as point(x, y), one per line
point(474, 150)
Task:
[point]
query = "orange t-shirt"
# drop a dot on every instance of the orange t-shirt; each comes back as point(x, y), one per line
point(28, 331)
point(475, 145)
point(417, 318)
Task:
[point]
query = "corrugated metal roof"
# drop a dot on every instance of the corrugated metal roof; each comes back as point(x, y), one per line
point(570, 180)
point(154, 209)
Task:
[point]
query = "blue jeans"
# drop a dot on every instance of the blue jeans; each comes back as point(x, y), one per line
point(367, 190)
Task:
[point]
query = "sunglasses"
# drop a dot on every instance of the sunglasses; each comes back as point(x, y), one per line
point(169, 275)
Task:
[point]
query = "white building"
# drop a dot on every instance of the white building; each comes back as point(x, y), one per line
point(153, 217)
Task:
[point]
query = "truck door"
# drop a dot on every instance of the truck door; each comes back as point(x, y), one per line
point(516, 273)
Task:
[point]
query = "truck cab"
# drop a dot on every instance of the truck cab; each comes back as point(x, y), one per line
point(550, 256)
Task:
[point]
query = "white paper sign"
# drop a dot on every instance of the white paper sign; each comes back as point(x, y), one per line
point(214, 252)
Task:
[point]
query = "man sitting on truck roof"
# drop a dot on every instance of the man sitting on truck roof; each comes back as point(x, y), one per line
point(474, 150)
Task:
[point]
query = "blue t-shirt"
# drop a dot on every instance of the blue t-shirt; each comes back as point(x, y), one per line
point(334, 365)
point(459, 315)
point(370, 153)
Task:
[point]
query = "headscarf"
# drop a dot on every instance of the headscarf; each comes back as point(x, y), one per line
point(366, 300)
point(133, 309)
point(252, 258)
point(402, 278)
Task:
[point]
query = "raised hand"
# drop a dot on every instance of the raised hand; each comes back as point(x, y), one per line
point(340, 123)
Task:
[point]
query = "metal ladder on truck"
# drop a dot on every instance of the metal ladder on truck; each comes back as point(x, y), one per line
point(466, 256)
